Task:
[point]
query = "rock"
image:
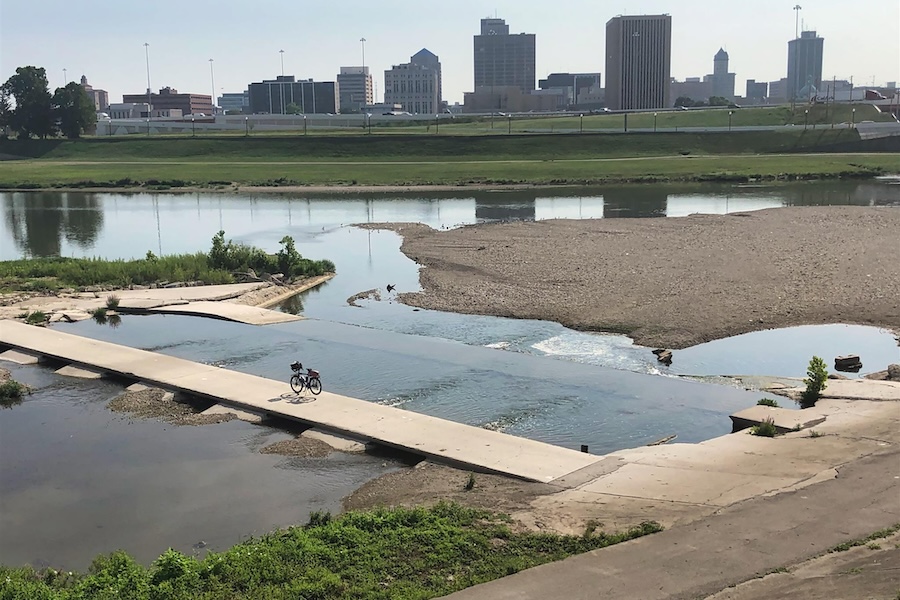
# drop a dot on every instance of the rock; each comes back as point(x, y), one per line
point(849, 363)
point(893, 372)
point(664, 357)
point(837, 376)
point(877, 376)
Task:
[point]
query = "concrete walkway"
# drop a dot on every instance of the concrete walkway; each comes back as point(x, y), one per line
point(739, 543)
point(437, 439)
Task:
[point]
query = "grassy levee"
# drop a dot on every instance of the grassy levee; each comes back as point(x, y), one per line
point(178, 162)
point(446, 148)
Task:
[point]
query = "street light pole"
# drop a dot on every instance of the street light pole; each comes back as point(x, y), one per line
point(805, 119)
point(193, 132)
point(212, 81)
point(730, 113)
point(281, 84)
point(65, 78)
point(149, 103)
point(363, 41)
point(247, 126)
point(509, 122)
point(581, 123)
point(654, 121)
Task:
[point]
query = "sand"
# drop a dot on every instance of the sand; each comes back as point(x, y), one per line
point(669, 282)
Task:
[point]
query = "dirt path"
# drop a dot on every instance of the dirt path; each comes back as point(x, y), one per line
point(670, 282)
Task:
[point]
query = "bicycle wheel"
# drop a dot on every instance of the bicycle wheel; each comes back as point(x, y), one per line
point(315, 385)
point(296, 384)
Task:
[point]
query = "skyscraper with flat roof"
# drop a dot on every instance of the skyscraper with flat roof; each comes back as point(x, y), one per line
point(805, 66)
point(504, 60)
point(638, 62)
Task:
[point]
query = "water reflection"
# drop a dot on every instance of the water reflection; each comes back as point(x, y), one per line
point(38, 222)
point(127, 225)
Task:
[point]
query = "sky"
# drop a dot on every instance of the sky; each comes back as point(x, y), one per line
point(105, 40)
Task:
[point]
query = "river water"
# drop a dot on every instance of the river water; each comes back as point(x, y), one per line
point(78, 480)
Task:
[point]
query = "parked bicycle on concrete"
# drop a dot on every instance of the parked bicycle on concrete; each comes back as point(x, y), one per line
point(309, 380)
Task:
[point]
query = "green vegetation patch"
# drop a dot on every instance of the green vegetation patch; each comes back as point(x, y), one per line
point(384, 554)
point(871, 538)
point(224, 260)
point(11, 393)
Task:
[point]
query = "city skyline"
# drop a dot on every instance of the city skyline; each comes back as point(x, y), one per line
point(108, 47)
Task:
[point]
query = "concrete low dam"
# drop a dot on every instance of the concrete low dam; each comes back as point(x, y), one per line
point(437, 439)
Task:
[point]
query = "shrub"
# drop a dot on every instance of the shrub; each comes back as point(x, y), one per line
point(765, 429)
point(112, 302)
point(11, 393)
point(470, 483)
point(767, 402)
point(37, 317)
point(816, 381)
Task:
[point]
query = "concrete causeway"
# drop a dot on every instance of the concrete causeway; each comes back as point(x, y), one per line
point(437, 439)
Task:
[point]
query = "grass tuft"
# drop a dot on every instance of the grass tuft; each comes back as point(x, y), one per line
point(765, 429)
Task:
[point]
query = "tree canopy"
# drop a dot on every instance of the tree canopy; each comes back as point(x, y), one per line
point(74, 109)
point(33, 113)
point(27, 107)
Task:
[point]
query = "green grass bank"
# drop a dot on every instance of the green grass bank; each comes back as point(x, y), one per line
point(399, 160)
point(396, 554)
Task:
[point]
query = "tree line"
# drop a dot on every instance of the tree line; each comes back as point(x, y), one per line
point(28, 109)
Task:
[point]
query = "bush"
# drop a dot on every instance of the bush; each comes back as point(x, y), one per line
point(112, 302)
point(37, 317)
point(11, 393)
point(816, 381)
point(765, 429)
point(767, 402)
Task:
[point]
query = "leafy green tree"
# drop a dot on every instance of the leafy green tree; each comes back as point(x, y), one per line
point(5, 110)
point(74, 110)
point(816, 381)
point(293, 109)
point(33, 114)
point(719, 101)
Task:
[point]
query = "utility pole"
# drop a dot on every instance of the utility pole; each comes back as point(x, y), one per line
point(149, 104)
point(212, 79)
point(793, 83)
point(65, 78)
point(281, 83)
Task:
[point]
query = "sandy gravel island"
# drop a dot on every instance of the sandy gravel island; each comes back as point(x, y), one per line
point(669, 282)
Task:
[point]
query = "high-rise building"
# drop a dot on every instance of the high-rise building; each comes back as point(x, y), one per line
point(638, 62)
point(234, 102)
point(757, 92)
point(414, 87)
point(427, 58)
point(98, 96)
point(275, 96)
point(804, 66)
point(355, 85)
point(722, 80)
point(504, 60)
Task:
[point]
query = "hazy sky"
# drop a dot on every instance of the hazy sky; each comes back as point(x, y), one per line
point(104, 40)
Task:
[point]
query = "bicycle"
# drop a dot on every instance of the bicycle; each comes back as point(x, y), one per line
point(309, 380)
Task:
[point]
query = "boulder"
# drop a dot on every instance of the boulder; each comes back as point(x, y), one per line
point(893, 372)
point(664, 356)
point(850, 363)
point(837, 376)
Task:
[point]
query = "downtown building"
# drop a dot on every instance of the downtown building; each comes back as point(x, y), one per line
point(417, 85)
point(638, 62)
point(355, 86)
point(275, 96)
point(804, 71)
point(169, 100)
point(98, 96)
point(504, 60)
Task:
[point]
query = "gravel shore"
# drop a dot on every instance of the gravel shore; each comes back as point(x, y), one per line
point(672, 282)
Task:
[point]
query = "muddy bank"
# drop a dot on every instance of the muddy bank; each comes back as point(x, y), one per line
point(154, 403)
point(669, 282)
point(300, 447)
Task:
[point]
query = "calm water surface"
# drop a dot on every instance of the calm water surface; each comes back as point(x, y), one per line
point(76, 479)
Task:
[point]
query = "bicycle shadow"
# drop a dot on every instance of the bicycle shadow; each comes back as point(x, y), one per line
point(293, 398)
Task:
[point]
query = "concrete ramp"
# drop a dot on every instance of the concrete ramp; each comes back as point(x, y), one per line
point(437, 439)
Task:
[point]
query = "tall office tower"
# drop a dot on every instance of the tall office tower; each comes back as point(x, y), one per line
point(504, 60)
point(427, 58)
point(638, 62)
point(355, 84)
point(722, 80)
point(804, 66)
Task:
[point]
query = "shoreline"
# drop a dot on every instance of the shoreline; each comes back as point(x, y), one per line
point(669, 283)
point(504, 185)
